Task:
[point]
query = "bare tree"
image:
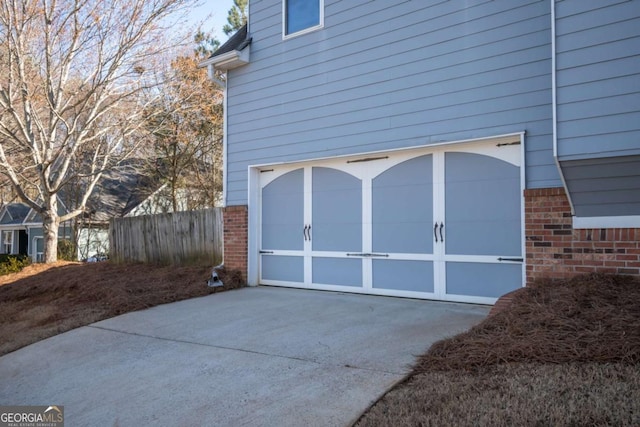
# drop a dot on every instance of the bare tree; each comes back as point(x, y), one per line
point(186, 123)
point(73, 92)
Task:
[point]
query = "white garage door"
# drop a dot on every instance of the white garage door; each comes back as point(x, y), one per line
point(441, 223)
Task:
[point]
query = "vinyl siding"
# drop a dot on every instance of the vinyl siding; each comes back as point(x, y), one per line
point(384, 75)
point(604, 187)
point(598, 79)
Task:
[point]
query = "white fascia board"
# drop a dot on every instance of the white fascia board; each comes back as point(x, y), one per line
point(229, 60)
point(629, 221)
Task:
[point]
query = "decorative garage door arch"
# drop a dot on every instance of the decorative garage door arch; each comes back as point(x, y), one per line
point(437, 222)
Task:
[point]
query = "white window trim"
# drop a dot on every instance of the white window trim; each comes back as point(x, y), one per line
point(286, 36)
point(37, 256)
point(630, 221)
point(9, 234)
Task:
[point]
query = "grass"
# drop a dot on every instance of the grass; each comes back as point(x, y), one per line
point(47, 299)
point(563, 354)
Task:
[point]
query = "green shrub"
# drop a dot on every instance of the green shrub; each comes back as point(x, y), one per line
point(13, 263)
point(66, 250)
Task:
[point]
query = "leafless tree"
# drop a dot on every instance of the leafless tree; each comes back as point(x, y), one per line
point(186, 124)
point(73, 93)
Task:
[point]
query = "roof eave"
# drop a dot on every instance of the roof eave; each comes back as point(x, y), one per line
point(229, 60)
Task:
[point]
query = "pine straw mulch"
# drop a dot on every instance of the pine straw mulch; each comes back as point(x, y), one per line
point(47, 299)
point(563, 353)
point(592, 318)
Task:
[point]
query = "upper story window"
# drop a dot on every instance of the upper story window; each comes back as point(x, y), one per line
point(302, 16)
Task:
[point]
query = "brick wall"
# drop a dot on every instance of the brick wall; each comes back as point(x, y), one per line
point(554, 249)
point(235, 220)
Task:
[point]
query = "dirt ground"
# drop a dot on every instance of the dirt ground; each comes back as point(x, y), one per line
point(47, 299)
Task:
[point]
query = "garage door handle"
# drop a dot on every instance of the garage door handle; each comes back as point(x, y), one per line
point(441, 237)
point(368, 254)
point(380, 255)
point(511, 259)
point(435, 231)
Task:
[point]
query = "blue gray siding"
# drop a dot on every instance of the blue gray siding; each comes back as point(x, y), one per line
point(598, 78)
point(598, 97)
point(384, 75)
point(609, 186)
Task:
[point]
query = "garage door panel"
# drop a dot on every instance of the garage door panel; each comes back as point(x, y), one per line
point(283, 268)
point(403, 275)
point(482, 280)
point(337, 271)
point(482, 205)
point(402, 208)
point(417, 238)
point(489, 238)
point(336, 211)
point(282, 212)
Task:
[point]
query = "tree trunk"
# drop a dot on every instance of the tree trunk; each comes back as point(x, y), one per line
point(50, 225)
point(174, 194)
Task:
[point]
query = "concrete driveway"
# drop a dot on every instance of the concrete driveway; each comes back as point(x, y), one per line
point(251, 357)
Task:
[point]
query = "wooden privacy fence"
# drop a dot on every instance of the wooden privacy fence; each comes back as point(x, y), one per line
point(173, 238)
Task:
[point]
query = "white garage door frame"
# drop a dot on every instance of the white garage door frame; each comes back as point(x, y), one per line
point(258, 173)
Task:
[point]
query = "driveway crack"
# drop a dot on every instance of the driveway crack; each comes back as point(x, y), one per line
point(221, 347)
point(200, 344)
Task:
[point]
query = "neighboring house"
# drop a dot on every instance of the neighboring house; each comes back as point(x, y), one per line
point(121, 193)
point(450, 150)
point(21, 229)
point(13, 232)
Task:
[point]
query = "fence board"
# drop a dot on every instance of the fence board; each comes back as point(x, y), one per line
point(174, 238)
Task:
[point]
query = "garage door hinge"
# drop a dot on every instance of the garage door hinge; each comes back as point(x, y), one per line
point(368, 159)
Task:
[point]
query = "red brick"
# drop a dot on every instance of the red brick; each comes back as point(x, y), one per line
point(547, 217)
point(615, 264)
point(235, 220)
point(625, 245)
